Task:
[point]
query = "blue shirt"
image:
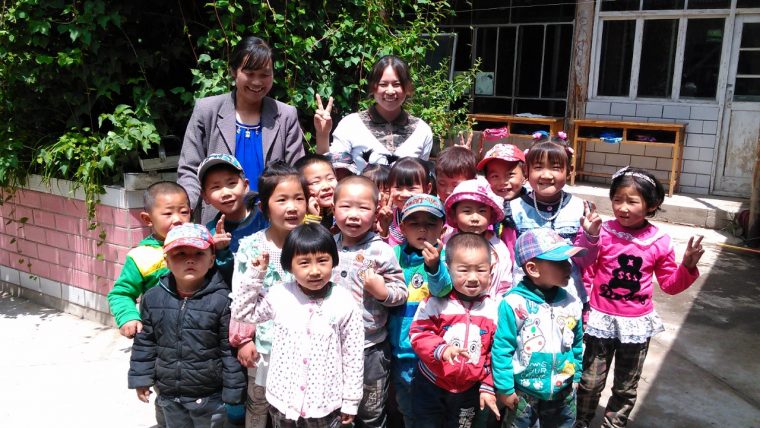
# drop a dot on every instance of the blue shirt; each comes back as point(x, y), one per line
point(249, 152)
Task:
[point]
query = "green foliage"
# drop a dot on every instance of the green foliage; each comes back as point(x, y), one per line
point(89, 157)
point(329, 47)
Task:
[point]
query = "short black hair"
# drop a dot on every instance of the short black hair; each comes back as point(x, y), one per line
point(309, 238)
point(652, 192)
point(273, 175)
point(456, 160)
point(161, 187)
point(466, 241)
point(251, 53)
point(221, 167)
point(311, 159)
point(409, 171)
point(358, 179)
point(378, 173)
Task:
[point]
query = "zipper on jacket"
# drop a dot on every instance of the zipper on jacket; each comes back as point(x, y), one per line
point(554, 354)
point(179, 342)
point(466, 339)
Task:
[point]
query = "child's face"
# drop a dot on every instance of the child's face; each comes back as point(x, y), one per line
point(472, 216)
point(322, 182)
point(189, 265)
point(548, 274)
point(421, 227)
point(355, 210)
point(312, 271)
point(225, 190)
point(629, 207)
point(287, 205)
point(169, 209)
point(547, 179)
point(400, 194)
point(506, 178)
point(470, 271)
point(445, 184)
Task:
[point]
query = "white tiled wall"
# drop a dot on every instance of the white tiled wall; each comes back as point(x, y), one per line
point(699, 146)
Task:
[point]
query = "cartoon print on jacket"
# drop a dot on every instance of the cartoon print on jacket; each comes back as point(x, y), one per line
point(456, 335)
point(566, 325)
point(625, 281)
point(417, 281)
point(532, 339)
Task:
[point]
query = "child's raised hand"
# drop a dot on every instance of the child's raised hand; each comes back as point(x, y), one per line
point(590, 222)
point(431, 254)
point(452, 354)
point(261, 263)
point(509, 400)
point(143, 393)
point(374, 284)
point(313, 205)
point(489, 400)
point(322, 118)
point(694, 251)
point(131, 328)
point(221, 238)
point(466, 144)
point(384, 214)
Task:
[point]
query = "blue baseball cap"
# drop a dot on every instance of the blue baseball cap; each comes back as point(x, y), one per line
point(217, 159)
point(545, 244)
point(423, 202)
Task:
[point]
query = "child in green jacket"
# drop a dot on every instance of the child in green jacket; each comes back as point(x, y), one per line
point(537, 349)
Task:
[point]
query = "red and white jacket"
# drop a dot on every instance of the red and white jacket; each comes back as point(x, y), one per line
point(450, 321)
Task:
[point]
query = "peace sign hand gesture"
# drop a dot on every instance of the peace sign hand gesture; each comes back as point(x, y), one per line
point(322, 118)
point(466, 144)
point(384, 214)
point(694, 251)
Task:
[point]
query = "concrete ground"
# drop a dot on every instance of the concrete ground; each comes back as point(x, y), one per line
point(59, 370)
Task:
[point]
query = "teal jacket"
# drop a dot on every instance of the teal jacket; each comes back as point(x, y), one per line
point(538, 346)
point(421, 284)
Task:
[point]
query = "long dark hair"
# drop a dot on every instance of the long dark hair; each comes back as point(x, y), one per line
point(398, 65)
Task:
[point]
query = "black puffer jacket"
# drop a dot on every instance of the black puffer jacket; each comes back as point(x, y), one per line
point(184, 347)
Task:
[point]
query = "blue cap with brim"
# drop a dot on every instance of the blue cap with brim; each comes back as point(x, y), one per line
point(545, 244)
point(562, 253)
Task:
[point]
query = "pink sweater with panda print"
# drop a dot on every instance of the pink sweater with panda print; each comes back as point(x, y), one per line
point(627, 261)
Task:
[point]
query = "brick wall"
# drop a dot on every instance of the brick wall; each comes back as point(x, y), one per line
point(699, 146)
point(47, 247)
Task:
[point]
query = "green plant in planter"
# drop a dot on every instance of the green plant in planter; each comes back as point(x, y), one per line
point(93, 159)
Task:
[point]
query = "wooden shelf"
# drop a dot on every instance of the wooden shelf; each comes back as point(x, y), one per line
point(548, 123)
point(588, 130)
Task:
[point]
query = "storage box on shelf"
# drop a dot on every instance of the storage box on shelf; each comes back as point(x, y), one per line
point(659, 140)
point(521, 128)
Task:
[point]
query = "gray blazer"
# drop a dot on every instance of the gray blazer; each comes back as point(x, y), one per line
point(212, 130)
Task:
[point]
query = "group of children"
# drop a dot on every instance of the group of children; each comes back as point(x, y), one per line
point(338, 290)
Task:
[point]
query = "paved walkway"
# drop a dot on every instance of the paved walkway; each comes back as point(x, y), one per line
point(59, 370)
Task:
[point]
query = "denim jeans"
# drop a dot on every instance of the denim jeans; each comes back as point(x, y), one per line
point(401, 374)
point(377, 367)
point(197, 413)
point(558, 413)
point(435, 407)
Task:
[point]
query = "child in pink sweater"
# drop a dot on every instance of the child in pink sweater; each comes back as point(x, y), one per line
point(630, 252)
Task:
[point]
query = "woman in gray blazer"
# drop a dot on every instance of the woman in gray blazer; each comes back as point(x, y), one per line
point(245, 123)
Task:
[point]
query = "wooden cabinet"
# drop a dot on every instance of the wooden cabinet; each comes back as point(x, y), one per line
point(648, 134)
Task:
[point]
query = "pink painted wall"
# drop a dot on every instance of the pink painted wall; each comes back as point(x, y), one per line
point(56, 241)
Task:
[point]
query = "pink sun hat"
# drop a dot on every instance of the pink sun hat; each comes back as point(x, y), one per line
point(477, 190)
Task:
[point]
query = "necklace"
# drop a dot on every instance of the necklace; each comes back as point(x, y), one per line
point(535, 205)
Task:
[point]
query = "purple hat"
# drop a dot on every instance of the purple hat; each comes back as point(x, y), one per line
point(545, 244)
point(188, 235)
point(477, 190)
point(423, 202)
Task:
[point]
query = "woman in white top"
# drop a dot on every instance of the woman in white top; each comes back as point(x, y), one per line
point(385, 128)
